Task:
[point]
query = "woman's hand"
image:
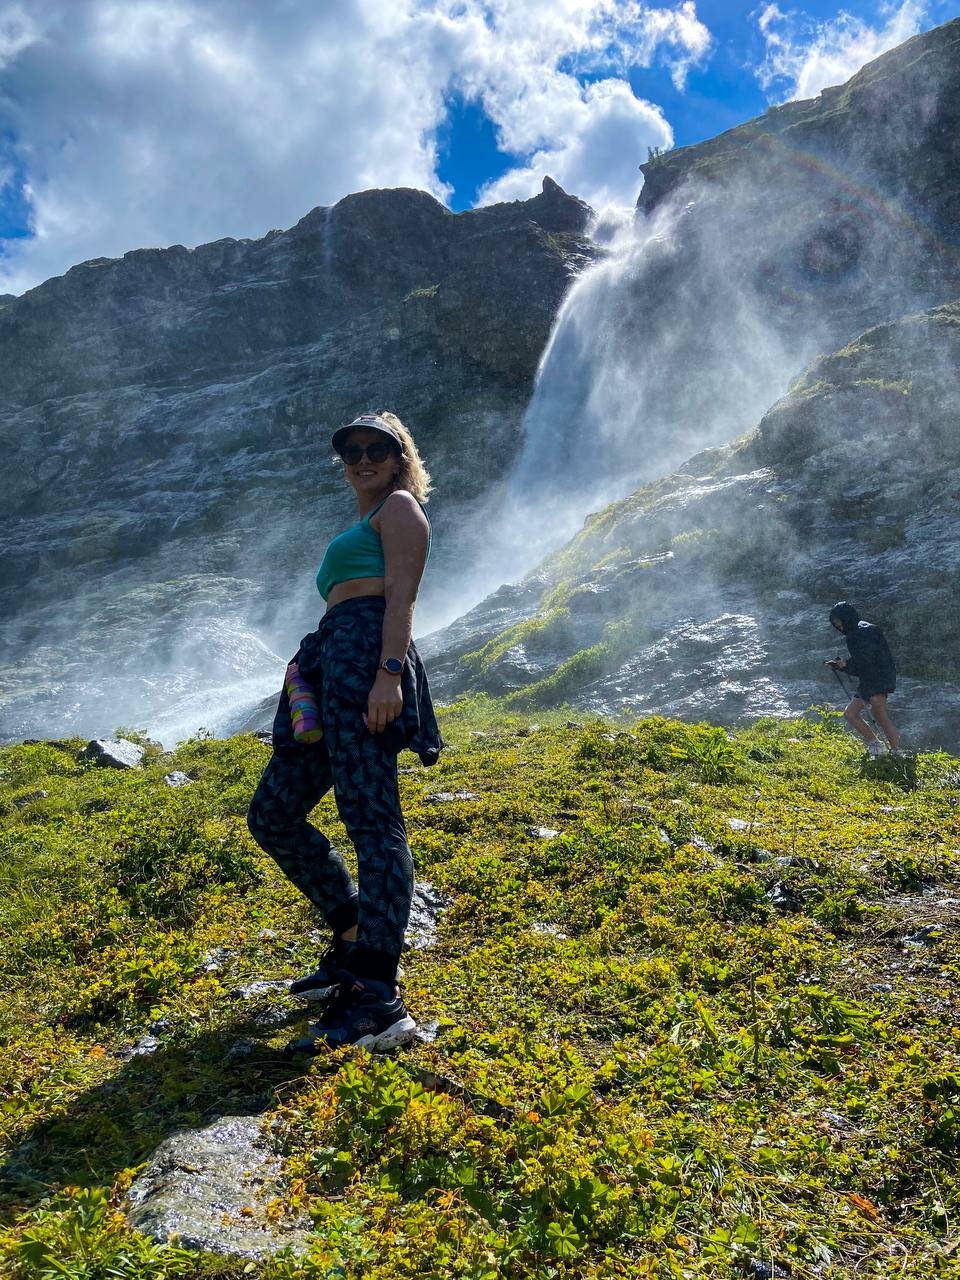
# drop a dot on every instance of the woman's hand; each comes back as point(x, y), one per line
point(385, 701)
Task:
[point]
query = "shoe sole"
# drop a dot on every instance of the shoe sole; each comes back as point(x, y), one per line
point(400, 1033)
point(313, 993)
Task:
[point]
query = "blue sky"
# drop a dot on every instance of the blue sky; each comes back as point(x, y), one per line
point(724, 92)
point(155, 122)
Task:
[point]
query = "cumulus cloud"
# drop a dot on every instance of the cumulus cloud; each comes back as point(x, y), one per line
point(804, 56)
point(150, 122)
point(605, 134)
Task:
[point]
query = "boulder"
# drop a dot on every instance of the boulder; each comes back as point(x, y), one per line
point(118, 754)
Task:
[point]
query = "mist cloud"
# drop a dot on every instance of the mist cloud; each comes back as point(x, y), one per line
point(144, 123)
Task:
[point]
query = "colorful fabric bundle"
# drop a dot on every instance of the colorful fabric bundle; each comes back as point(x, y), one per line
point(304, 712)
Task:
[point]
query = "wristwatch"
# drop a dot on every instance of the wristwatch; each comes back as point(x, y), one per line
point(393, 665)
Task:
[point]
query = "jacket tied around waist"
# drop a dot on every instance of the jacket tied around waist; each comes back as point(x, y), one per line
point(340, 660)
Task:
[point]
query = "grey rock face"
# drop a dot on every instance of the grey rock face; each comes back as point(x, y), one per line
point(119, 754)
point(705, 595)
point(199, 1184)
point(142, 1048)
point(159, 412)
point(177, 779)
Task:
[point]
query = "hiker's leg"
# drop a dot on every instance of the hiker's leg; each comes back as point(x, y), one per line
point(368, 801)
point(854, 717)
point(290, 787)
point(878, 707)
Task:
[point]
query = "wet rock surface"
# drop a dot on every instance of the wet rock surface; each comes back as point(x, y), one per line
point(210, 1188)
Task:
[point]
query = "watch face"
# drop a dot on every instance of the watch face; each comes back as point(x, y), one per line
point(393, 665)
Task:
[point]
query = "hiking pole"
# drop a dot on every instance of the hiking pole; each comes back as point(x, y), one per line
point(847, 694)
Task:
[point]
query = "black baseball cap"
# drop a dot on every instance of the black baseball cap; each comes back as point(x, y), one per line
point(371, 422)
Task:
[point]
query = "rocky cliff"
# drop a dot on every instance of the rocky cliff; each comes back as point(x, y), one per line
point(706, 594)
point(165, 420)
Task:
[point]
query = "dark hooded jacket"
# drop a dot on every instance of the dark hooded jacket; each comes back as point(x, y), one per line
point(870, 656)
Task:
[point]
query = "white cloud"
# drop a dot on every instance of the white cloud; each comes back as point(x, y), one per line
point(810, 55)
point(149, 122)
point(606, 135)
point(17, 32)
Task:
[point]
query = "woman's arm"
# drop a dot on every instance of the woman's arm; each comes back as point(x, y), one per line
point(403, 533)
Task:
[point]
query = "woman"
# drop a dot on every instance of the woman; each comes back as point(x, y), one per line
point(871, 660)
point(374, 700)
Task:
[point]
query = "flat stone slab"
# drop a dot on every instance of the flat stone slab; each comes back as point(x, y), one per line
point(210, 1188)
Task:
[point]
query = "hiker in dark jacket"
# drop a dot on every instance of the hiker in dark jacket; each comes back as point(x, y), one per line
point(871, 660)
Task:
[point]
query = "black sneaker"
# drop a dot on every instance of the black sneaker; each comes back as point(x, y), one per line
point(329, 973)
point(363, 1012)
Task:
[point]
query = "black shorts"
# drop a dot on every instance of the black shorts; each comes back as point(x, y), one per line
point(867, 691)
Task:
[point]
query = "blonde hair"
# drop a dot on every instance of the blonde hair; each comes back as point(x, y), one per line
point(413, 475)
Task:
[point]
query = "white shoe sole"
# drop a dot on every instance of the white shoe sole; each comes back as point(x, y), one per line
point(314, 993)
point(398, 1034)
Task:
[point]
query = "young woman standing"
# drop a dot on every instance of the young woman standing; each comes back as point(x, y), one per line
point(374, 700)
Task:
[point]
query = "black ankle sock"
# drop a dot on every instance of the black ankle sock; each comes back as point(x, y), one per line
point(344, 917)
point(366, 962)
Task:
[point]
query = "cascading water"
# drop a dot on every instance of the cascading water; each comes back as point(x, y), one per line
point(659, 350)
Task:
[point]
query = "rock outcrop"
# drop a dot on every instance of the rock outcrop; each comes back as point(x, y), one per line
point(705, 595)
point(211, 1189)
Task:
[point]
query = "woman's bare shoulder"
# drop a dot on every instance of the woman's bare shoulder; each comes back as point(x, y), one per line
point(400, 508)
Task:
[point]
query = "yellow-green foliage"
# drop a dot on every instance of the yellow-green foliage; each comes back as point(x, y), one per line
point(587, 665)
point(642, 1068)
point(542, 629)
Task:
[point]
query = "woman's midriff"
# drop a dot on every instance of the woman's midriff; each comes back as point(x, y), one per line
point(354, 587)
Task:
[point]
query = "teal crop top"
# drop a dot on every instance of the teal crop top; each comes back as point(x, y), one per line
point(357, 553)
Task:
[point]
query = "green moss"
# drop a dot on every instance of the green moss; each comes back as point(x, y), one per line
point(587, 665)
point(900, 385)
point(542, 627)
point(428, 291)
point(677, 1080)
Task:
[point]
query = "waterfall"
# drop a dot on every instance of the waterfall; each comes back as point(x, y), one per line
point(665, 346)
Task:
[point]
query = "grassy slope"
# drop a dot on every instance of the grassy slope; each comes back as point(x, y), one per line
point(677, 1081)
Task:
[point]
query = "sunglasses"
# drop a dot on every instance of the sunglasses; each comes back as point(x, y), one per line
point(377, 452)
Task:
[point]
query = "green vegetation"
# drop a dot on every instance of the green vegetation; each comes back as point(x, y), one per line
point(643, 1067)
point(427, 291)
point(539, 630)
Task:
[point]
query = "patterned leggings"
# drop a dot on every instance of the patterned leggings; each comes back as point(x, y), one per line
point(362, 769)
